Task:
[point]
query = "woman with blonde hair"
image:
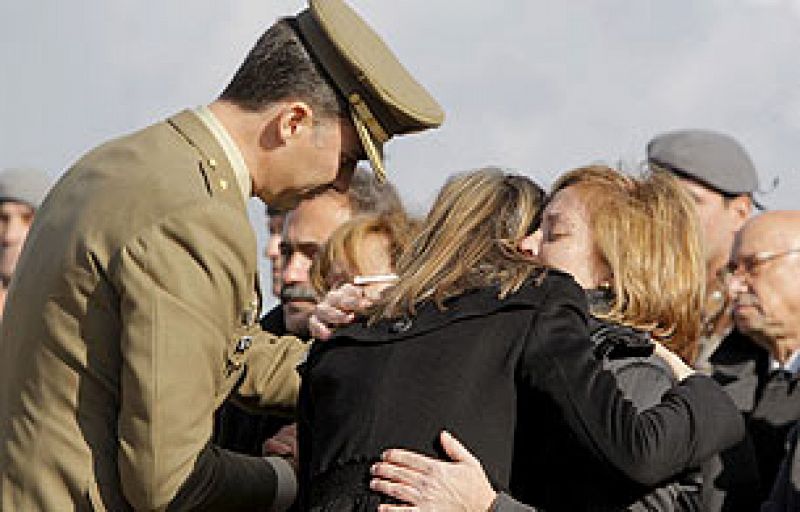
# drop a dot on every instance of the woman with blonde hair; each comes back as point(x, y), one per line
point(644, 233)
point(471, 329)
point(632, 243)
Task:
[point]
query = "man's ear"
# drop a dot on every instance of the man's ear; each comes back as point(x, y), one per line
point(295, 119)
point(741, 207)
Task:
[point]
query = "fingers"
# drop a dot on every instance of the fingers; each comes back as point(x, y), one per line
point(283, 443)
point(331, 315)
point(455, 450)
point(410, 460)
point(676, 364)
point(396, 490)
point(319, 331)
point(337, 308)
point(396, 474)
point(275, 447)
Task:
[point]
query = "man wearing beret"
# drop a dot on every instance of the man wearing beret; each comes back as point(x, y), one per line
point(716, 171)
point(21, 193)
point(136, 302)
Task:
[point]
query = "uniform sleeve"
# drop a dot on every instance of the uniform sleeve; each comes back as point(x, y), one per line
point(693, 420)
point(270, 381)
point(181, 284)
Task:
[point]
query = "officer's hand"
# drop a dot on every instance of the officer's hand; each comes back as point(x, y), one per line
point(432, 485)
point(283, 444)
point(337, 308)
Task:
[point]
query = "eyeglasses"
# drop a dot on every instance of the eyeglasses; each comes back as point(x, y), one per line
point(749, 264)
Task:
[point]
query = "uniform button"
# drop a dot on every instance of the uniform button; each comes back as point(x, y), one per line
point(243, 344)
point(401, 325)
point(212, 163)
point(223, 184)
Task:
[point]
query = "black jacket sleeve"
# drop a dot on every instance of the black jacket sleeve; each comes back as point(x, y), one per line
point(224, 480)
point(693, 421)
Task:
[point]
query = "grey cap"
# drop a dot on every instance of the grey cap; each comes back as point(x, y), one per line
point(28, 186)
point(711, 158)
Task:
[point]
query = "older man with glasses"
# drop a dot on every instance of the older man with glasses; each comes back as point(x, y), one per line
point(765, 296)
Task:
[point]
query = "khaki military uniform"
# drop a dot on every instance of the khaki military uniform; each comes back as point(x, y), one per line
point(132, 317)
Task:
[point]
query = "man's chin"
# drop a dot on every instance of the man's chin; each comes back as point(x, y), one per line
point(282, 202)
point(748, 320)
point(296, 315)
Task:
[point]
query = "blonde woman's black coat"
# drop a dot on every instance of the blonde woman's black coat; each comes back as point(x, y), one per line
point(399, 383)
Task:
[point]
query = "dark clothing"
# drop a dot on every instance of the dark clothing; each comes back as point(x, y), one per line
point(561, 475)
point(785, 495)
point(399, 383)
point(770, 403)
point(240, 430)
point(505, 503)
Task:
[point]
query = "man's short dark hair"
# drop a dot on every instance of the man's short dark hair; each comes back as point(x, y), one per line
point(279, 67)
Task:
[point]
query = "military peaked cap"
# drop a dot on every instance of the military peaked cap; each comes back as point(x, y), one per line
point(384, 99)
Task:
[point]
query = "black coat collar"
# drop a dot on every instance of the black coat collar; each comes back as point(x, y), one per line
point(475, 303)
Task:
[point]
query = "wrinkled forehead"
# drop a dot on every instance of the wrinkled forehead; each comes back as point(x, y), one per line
point(766, 237)
point(316, 218)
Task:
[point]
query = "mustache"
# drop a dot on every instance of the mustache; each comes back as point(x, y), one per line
point(298, 292)
point(746, 299)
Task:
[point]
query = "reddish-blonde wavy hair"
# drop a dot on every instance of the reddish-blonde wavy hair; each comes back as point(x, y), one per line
point(344, 250)
point(646, 231)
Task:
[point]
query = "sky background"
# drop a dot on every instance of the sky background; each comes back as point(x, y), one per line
point(536, 86)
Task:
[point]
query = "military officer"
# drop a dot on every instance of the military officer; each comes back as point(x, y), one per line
point(135, 305)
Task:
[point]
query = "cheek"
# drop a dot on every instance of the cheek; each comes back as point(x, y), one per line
point(778, 298)
point(559, 257)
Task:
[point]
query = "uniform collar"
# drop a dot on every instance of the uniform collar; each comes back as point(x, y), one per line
point(230, 148)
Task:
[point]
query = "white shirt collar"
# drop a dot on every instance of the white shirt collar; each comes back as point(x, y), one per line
point(230, 148)
point(792, 364)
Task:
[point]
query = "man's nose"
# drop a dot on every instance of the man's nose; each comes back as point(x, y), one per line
point(296, 268)
point(735, 285)
point(273, 249)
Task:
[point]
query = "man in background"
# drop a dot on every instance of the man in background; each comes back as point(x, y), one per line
point(21, 193)
point(720, 177)
point(718, 174)
point(306, 228)
point(766, 309)
point(309, 226)
point(272, 250)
